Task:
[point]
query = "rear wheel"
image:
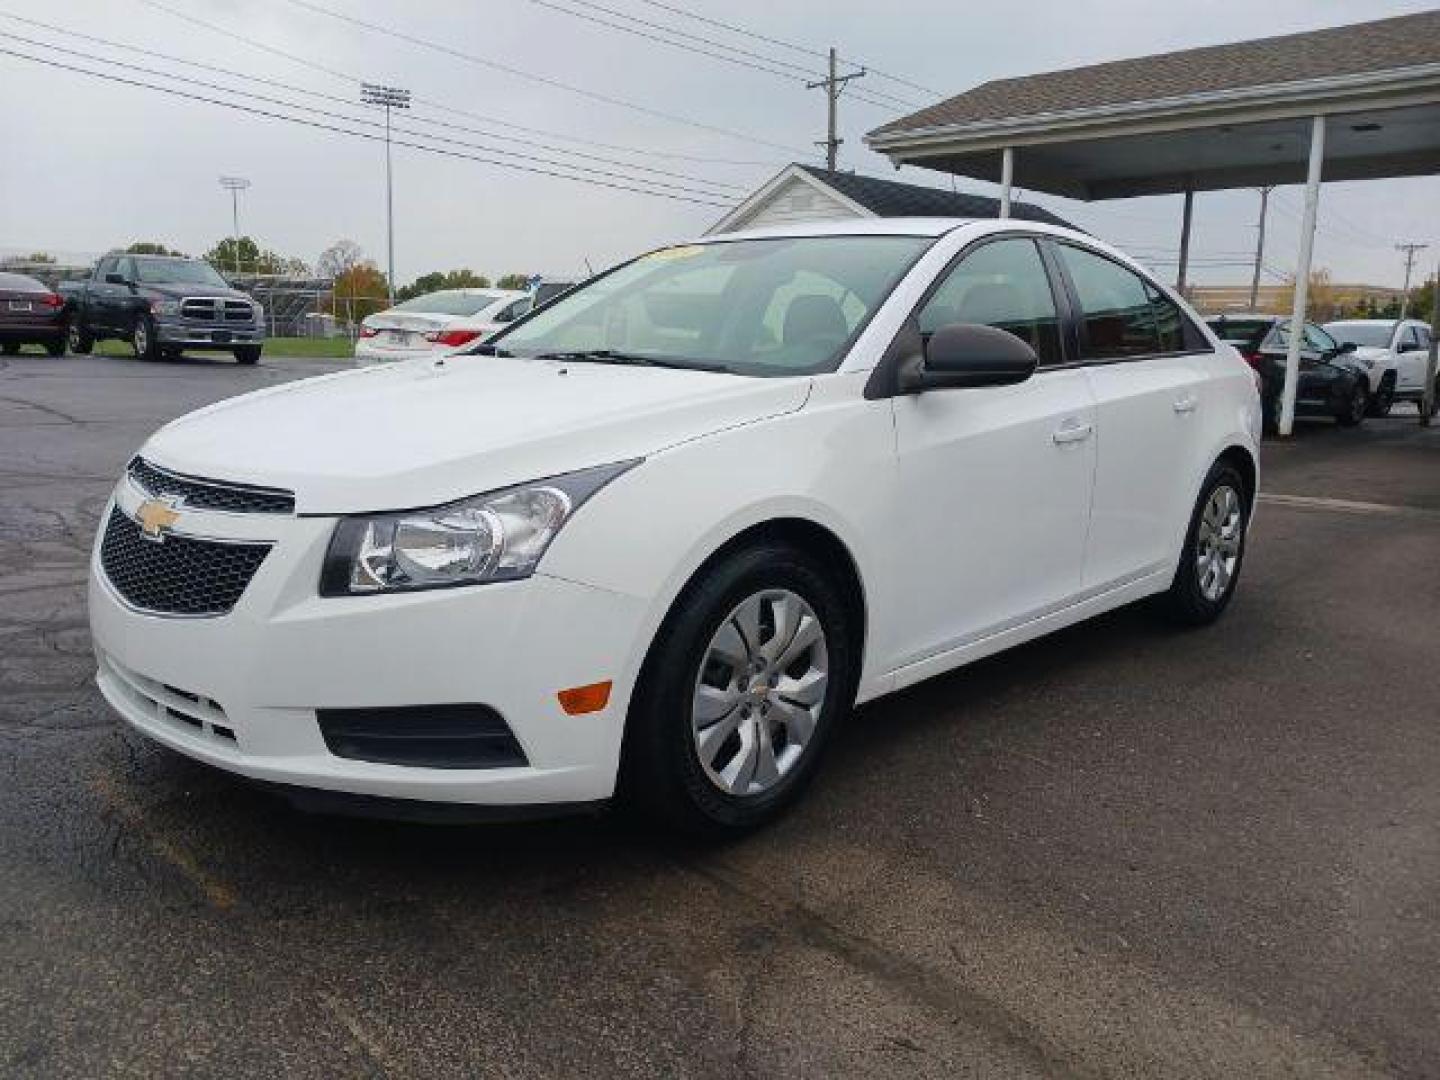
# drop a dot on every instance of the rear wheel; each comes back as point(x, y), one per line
point(143, 340)
point(1356, 405)
point(1214, 549)
point(77, 340)
point(746, 681)
point(56, 347)
point(247, 354)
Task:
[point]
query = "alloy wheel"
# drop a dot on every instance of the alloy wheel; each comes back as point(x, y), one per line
point(140, 340)
point(759, 692)
point(1217, 542)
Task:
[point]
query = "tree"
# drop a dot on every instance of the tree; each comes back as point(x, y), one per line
point(359, 291)
point(1323, 300)
point(339, 257)
point(513, 281)
point(149, 247)
point(252, 259)
point(442, 279)
point(1422, 300)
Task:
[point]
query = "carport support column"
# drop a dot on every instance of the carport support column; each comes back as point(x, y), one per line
point(1427, 400)
point(1186, 216)
point(1302, 275)
point(1007, 179)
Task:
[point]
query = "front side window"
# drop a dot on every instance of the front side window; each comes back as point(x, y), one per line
point(787, 306)
point(127, 269)
point(1116, 308)
point(1318, 339)
point(1001, 284)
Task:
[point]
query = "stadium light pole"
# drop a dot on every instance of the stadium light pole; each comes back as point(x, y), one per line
point(235, 185)
point(391, 97)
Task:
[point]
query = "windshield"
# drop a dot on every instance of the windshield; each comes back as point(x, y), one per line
point(177, 271)
point(788, 306)
point(449, 302)
point(1367, 334)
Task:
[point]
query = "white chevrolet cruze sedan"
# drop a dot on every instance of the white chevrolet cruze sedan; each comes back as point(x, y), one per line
point(656, 538)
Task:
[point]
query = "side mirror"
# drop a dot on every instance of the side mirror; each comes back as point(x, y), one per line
point(113, 278)
point(1346, 347)
point(969, 355)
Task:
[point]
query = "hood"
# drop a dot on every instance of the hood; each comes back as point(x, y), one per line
point(178, 289)
point(421, 432)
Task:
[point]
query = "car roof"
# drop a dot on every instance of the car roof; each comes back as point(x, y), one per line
point(895, 226)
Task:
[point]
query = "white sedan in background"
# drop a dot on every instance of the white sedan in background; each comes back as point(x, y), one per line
point(437, 323)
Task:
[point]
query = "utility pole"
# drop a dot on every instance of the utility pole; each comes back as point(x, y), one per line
point(1409, 250)
point(391, 97)
point(235, 185)
point(834, 83)
point(1259, 247)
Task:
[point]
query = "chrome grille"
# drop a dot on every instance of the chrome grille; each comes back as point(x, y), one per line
point(178, 575)
point(210, 494)
point(217, 309)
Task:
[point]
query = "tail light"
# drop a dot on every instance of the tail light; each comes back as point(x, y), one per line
point(452, 338)
point(52, 300)
point(367, 331)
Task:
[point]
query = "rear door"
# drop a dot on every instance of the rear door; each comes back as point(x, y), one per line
point(1139, 356)
point(994, 482)
point(1410, 358)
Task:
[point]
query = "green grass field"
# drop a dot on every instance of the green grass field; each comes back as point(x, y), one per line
point(307, 348)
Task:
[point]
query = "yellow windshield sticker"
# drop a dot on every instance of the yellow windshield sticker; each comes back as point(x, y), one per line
point(686, 252)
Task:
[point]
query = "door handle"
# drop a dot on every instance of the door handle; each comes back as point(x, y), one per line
point(1185, 404)
point(1072, 431)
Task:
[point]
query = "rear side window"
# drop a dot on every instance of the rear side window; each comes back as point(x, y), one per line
point(1001, 284)
point(1117, 308)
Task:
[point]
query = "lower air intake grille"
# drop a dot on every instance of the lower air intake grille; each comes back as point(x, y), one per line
point(178, 575)
point(426, 736)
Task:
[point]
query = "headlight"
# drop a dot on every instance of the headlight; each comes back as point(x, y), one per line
point(165, 307)
point(499, 536)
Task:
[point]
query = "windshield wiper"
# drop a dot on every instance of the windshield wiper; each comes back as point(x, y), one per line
point(490, 350)
point(614, 356)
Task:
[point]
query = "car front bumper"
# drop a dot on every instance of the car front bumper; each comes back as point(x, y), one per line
point(260, 672)
point(212, 335)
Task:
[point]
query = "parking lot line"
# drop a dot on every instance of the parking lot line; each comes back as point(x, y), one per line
point(1347, 506)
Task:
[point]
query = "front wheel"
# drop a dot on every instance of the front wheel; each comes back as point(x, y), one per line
point(1356, 406)
point(1214, 549)
point(744, 685)
point(1384, 398)
point(247, 354)
point(77, 340)
point(56, 347)
point(143, 339)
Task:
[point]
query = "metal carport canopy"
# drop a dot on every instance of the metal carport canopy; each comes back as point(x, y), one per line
point(1351, 102)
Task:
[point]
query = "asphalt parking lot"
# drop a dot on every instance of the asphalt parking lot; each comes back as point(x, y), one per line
point(1122, 851)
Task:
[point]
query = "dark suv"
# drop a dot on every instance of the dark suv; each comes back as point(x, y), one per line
point(1332, 381)
point(162, 304)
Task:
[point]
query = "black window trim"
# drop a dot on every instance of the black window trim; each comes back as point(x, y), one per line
point(1076, 310)
point(883, 383)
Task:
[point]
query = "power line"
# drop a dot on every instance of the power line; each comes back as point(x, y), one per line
point(557, 84)
point(809, 51)
point(291, 87)
point(238, 107)
point(365, 122)
point(766, 64)
point(353, 79)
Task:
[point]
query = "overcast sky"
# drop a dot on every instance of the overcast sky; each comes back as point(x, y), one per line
point(90, 164)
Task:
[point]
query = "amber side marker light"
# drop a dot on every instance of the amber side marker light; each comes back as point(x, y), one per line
point(579, 700)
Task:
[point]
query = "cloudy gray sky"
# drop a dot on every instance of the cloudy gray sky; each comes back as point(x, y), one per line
point(89, 164)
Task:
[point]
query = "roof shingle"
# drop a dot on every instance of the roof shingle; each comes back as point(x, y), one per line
point(891, 198)
point(1383, 45)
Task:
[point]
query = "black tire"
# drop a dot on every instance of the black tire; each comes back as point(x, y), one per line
point(247, 354)
point(143, 339)
point(1356, 406)
point(1383, 399)
point(10, 348)
point(661, 771)
point(77, 340)
point(1187, 601)
point(56, 347)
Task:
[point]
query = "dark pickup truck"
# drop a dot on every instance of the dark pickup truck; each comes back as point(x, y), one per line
point(162, 305)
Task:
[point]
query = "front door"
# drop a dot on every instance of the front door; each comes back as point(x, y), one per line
point(994, 482)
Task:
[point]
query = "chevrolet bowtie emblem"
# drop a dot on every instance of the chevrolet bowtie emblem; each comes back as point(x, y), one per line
point(156, 516)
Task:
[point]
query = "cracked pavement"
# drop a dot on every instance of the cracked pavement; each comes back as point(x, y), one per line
point(1120, 851)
